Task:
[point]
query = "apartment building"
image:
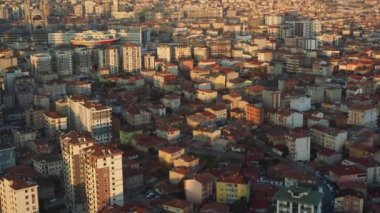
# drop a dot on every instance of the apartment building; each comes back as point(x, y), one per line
point(181, 52)
point(103, 177)
point(72, 145)
point(55, 123)
point(131, 57)
point(363, 115)
point(110, 58)
point(91, 116)
point(83, 60)
point(149, 61)
point(168, 154)
point(164, 53)
point(297, 199)
point(230, 188)
point(271, 99)
point(48, 164)
point(328, 137)
point(63, 63)
point(34, 117)
point(41, 63)
point(254, 114)
point(18, 196)
point(201, 53)
point(298, 143)
point(7, 156)
point(198, 188)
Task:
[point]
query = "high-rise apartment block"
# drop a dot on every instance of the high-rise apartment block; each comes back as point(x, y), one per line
point(181, 52)
point(89, 115)
point(103, 177)
point(131, 57)
point(72, 145)
point(149, 61)
point(41, 63)
point(63, 63)
point(164, 52)
point(83, 60)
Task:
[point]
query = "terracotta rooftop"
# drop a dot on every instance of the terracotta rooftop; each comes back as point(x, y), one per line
point(342, 170)
point(232, 178)
point(171, 149)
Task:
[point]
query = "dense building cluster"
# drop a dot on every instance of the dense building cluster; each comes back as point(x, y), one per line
point(189, 106)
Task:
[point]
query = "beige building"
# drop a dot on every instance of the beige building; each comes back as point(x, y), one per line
point(111, 59)
point(18, 196)
point(164, 52)
point(186, 161)
point(149, 61)
point(363, 115)
point(55, 123)
point(328, 137)
point(168, 154)
point(201, 53)
point(199, 188)
point(131, 57)
point(103, 177)
point(181, 52)
point(72, 145)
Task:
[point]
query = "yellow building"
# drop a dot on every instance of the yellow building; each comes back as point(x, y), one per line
point(168, 154)
point(230, 188)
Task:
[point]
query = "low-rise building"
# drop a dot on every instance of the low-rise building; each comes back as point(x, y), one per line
point(177, 206)
point(168, 154)
point(232, 187)
point(297, 199)
point(48, 164)
point(198, 188)
point(328, 137)
point(349, 200)
point(187, 161)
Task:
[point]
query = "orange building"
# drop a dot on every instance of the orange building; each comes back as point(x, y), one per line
point(254, 114)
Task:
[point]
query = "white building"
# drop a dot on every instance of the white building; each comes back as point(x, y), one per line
point(298, 143)
point(297, 199)
point(63, 62)
point(48, 164)
point(41, 63)
point(86, 115)
point(55, 123)
point(301, 103)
